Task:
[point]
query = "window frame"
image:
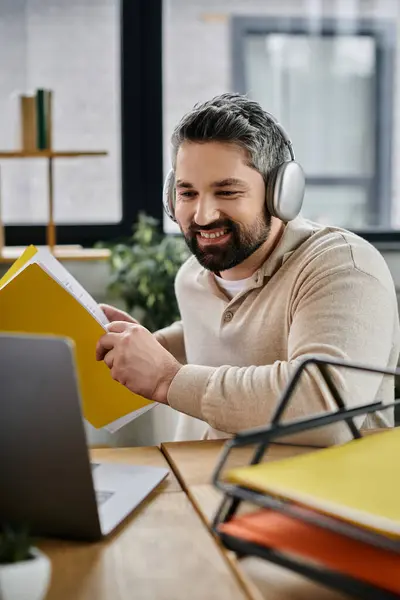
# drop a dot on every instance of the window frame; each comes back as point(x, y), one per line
point(384, 34)
point(140, 138)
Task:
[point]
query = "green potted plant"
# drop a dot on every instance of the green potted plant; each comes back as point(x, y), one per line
point(24, 570)
point(143, 270)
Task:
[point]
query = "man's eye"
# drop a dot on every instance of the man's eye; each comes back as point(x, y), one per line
point(189, 194)
point(227, 193)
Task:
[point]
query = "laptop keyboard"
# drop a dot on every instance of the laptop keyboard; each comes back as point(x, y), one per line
point(103, 496)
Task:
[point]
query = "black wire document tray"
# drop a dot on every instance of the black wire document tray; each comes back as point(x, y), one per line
point(261, 438)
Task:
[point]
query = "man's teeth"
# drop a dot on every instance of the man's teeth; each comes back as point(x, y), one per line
point(212, 235)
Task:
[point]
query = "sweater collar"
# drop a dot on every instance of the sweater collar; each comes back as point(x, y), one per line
point(296, 232)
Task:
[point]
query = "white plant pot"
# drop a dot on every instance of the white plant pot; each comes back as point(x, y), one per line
point(26, 580)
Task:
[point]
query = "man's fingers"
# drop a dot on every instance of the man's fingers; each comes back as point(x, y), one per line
point(115, 314)
point(109, 359)
point(105, 343)
point(100, 351)
point(119, 326)
point(108, 340)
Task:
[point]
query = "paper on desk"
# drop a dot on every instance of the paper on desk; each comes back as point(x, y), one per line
point(123, 421)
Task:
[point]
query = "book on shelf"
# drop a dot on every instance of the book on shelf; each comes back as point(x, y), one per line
point(28, 123)
point(43, 116)
point(36, 120)
point(38, 295)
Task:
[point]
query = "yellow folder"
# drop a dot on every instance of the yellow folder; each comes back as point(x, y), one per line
point(32, 300)
point(358, 481)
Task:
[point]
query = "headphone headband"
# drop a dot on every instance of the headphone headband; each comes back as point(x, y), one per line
point(283, 133)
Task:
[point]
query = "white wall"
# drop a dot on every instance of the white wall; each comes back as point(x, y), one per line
point(72, 48)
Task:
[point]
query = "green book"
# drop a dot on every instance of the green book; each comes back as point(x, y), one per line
point(41, 120)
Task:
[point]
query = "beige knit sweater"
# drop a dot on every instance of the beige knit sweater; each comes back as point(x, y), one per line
point(323, 291)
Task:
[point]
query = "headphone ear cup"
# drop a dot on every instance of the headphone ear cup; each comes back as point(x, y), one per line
point(285, 191)
point(169, 195)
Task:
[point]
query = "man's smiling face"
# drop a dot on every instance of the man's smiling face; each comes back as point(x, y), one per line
point(220, 204)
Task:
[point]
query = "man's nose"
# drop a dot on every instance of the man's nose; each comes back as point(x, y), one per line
point(207, 211)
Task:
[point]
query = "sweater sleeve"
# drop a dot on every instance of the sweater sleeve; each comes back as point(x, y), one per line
point(172, 339)
point(346, 315)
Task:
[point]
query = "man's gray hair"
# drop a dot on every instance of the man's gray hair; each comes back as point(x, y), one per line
point(235, 119)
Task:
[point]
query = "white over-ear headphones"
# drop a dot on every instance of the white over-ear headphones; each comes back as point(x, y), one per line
point(284, 192)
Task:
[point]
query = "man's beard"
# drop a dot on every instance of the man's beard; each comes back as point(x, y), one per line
point(243, 242)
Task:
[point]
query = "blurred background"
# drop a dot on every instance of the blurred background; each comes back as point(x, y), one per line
point(122, 73)
point(326, 69)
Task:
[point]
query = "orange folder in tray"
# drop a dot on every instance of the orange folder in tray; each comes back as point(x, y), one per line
point(334, 551)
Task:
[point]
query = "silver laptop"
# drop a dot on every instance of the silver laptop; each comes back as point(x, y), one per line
point(47, 481)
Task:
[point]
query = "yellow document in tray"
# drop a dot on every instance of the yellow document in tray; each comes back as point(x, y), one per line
point(357, 481)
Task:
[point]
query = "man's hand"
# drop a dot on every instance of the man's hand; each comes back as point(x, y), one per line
point(115, 314)
point(137, 360)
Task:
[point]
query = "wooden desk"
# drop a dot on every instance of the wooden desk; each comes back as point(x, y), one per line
point(193, 464)
point(148, 456)
point(165, 549)
point(161, 552)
